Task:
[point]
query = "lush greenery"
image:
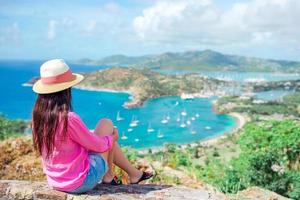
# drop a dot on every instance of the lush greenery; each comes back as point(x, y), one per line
point(199, 60)
point(145, 84)
point(288, 105)
point(269, 158)
point(11, 128)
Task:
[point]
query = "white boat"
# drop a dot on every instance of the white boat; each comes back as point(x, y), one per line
point(130, 129)
point(207, 127)
point(133, 122)
point(193, 118)
point(183, 113)
point(188, 122)
point(183, 125)
point(119, 118)
point(193, 131)
point(150, 129)
point(197, 115)
point(168, 117)
point(124, 137)
point(164, 120)
point(187, 96)
point(136, 139)
point(159, 135)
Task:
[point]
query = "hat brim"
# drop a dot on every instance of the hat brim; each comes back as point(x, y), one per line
point(42, 88)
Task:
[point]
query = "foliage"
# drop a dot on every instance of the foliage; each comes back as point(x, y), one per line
point(11, 128)
point(270, 159)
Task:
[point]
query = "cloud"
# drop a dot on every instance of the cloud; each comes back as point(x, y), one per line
point(10, 34)
point(52, 28)
point(202, 22)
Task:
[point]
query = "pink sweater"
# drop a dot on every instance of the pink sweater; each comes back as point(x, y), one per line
point(69, 164)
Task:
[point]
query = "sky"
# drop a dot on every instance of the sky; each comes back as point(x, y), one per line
point(97, 28)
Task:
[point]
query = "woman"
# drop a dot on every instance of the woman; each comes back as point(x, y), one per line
point(74, 159)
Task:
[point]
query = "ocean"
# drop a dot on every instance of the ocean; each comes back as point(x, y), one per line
point(158, 121)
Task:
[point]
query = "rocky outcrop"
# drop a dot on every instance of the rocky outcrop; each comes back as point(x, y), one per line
point(39, 190)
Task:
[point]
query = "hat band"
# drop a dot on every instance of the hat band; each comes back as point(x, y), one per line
point(64, 77)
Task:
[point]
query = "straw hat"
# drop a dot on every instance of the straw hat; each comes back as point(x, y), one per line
point(56, 76)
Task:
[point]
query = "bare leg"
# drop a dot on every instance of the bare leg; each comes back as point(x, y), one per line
point(104, 127)
point(116, 155)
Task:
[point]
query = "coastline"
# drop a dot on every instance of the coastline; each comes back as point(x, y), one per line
point(241, 120)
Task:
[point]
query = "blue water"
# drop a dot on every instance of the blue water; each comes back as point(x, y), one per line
point(17, 101)
point(240, 76)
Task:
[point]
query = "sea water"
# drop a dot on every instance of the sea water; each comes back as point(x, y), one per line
point(171, 119)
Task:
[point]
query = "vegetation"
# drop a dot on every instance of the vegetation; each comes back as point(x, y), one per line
point(145, 84)
point(289, 105)
point(11, 128)
point(206, 60)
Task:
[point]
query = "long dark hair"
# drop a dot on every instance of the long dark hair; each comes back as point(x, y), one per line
point(50, 110)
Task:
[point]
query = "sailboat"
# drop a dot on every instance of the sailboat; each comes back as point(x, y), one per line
point(178, 118)
point(164, 120)
point(150, 129)
point(193, 118)
point(197, 115)
point(207, 127)
point(130, 129)
point(134, 122)
point(124, 137)
point(182, 125)
point(183, 113)
point(159, 135)
point(188, 122)
point(119, 118)
point(193, 131)
point(168, 117)
point(136, 139)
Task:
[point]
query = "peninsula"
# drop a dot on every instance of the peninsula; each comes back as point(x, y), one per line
point(144, 84)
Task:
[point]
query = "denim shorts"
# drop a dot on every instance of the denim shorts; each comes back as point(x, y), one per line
point(98, 168)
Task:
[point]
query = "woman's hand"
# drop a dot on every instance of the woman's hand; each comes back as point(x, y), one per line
point(115, 134)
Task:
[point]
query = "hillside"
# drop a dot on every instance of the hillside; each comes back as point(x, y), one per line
point(145, 84)
point(206, 60)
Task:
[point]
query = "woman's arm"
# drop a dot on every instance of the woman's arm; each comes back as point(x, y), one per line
point(81, 134)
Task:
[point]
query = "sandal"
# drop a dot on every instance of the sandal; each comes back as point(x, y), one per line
point(145, 176)
point(114, 181)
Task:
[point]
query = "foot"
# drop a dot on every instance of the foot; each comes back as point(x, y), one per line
point(143, 176)
point(108, 177)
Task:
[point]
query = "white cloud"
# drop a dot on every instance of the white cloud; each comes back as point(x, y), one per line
point(10, 34)
point(201, 22)
point(52, 28)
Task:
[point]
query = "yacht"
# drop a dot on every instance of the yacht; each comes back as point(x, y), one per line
point(188, 122)
point(182, 125)
point(197, 115)
point(178, 118)
point(168, 117)
point(159, 135)
point(133, 122)
point(164, 120)
point(207, 127)
point(136, 139)
point(150, 129)
point(193, 131)
point(183, 113)
point(119, 118)
point(130, 129)
point(193, 118)
point(124, 137)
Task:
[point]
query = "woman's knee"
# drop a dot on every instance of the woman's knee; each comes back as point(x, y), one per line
point(104, 127)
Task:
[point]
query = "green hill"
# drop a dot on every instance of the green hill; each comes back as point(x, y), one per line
point(206, 60)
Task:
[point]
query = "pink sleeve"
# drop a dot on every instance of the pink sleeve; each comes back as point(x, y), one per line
point(81, 134)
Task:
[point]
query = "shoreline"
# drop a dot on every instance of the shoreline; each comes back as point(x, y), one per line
point(241, 120)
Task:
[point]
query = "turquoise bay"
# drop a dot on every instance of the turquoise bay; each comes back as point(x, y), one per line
point(16, 102)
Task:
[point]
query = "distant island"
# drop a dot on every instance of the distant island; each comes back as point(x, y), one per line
point(206, 60)
point(144, 84)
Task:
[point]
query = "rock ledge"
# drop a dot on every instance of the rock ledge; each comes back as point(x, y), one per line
point(13, 189)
